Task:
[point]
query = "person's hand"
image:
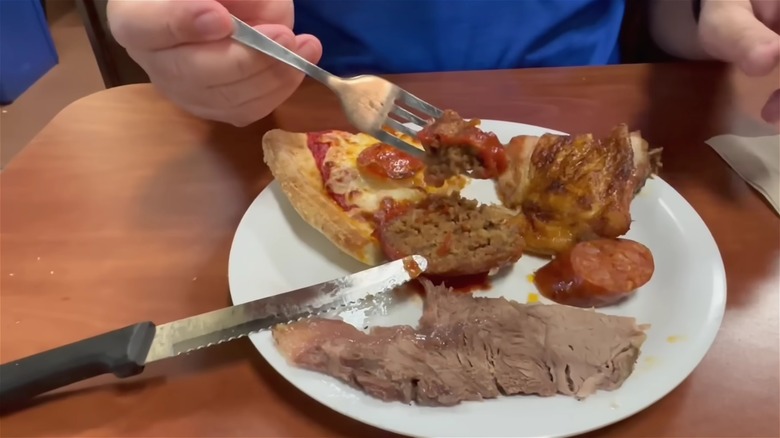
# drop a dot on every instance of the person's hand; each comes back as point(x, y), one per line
point(185, 48)
point(746, 33)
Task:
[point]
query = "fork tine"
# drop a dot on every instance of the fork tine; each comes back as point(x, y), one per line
point(400, 127)
point(419, 104)
point(408, 115)
point(386, 137)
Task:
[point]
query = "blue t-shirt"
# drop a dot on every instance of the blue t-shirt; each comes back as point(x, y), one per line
point(404, 36)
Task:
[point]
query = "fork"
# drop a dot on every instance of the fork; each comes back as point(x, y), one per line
point(368, 101)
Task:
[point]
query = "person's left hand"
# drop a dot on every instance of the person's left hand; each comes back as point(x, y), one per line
point(746, 33)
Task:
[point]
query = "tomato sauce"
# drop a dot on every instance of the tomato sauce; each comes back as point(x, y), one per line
point(319, 150)
point(412, 268)
point(483, 145)
point(462, 284)
point(389, 209)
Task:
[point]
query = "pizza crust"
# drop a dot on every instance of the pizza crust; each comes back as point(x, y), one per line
point(292, 164)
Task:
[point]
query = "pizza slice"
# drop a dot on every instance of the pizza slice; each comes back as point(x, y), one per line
point(345, 185)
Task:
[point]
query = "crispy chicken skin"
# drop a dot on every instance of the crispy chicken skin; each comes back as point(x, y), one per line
point(574, 188)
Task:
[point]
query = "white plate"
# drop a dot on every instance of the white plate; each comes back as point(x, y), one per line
point(274, 251)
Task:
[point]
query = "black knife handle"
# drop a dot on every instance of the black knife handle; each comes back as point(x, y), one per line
point(120, 352)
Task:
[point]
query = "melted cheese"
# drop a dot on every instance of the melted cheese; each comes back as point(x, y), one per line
point(365, 193)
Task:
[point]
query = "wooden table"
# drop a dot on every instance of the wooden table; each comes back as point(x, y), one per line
point(123, 209)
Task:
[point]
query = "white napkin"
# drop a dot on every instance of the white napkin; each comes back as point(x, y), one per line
point(755, 159)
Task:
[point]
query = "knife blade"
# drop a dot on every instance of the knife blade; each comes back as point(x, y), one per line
point(125, 352)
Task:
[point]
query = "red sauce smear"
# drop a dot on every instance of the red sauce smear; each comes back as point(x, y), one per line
point(319, 150)
point(484, 145)
point(446, 246)
point(386, 162)
point(412, 268)
point(389, 209)
point(463, 283)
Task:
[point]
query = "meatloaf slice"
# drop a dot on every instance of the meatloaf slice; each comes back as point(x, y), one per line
point(468, 348)
point(456, 146)
point(458, 236)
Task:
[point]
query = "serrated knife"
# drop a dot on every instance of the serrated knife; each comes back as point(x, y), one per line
point(125, 352)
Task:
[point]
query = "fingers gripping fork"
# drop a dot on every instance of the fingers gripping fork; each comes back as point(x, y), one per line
point(371, 104)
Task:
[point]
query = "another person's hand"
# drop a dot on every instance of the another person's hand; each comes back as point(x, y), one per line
point(745, 33)
point(185, 48)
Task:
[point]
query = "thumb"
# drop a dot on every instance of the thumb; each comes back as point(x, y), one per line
point(730, 31)
point(161, 24)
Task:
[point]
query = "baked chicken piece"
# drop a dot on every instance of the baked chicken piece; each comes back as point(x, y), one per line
point(574, 188)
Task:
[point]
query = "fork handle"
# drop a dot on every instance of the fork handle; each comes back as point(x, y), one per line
point(247, 35)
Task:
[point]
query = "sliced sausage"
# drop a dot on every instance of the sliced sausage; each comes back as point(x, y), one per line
point(596, 273)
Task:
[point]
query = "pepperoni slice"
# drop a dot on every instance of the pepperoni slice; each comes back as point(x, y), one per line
point(384, 161)
point(596, 273)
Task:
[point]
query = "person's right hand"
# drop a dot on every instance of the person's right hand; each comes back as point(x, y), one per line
point(185, 48)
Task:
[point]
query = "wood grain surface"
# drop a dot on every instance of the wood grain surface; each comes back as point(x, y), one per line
point(123, 209)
